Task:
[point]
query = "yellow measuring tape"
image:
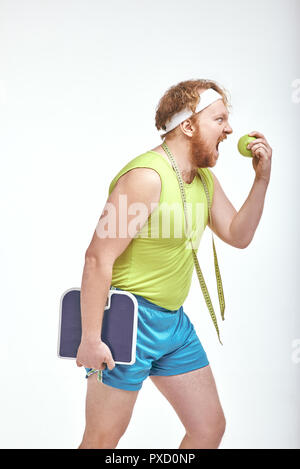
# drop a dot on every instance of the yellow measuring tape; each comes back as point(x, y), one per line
point(197, 266)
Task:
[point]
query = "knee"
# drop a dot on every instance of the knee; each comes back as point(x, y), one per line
point(104, 442)
point(96, 444)
point(220, 426)
point(210, 431)
point(99, 440)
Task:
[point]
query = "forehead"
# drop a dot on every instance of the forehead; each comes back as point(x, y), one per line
point(217, 107)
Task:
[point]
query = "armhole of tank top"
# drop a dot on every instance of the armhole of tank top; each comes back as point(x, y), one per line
point(142, 166)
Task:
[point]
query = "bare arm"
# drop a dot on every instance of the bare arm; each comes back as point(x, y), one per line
point(237, 228)
point(140, 185)
point(245, 222)
point(95, 285)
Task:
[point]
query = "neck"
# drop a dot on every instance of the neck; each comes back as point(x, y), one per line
point(183, 159)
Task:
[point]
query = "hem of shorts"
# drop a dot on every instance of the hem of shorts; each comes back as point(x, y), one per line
point(186, 370)
point(126, 387)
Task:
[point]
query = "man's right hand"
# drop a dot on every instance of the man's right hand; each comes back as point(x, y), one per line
point(94, 354)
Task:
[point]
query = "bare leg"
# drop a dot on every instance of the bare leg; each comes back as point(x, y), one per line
point(108, 412)
point(195, 399)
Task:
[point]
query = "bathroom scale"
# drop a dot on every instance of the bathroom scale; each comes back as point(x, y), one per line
point(119, 325)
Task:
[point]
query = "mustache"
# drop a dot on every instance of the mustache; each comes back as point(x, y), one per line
point(224, 137)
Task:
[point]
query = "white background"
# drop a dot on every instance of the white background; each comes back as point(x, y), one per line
point(79, 84)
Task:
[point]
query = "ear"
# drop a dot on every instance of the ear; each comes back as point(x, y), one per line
point(187, 127)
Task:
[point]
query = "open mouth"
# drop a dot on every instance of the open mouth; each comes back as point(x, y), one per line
point(219, 141)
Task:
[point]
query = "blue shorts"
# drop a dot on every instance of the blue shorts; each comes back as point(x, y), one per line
point(167, 344)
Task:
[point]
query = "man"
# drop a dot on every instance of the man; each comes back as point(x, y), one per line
point(193, 116)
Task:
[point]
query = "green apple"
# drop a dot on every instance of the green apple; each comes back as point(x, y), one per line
point(242, 145)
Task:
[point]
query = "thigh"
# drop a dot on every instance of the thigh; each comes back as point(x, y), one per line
point(108, 409)
point(186, 354)
point(193, 396)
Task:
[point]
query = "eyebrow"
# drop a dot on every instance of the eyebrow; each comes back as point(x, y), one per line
point(222, 114)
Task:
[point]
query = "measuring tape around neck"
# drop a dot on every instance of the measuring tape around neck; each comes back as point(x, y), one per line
point(196, 262)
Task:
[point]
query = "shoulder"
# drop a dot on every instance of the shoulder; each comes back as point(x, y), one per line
point(142, 169)
point(140, 176)
point(139, 185)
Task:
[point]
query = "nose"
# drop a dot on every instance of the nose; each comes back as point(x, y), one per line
point(228, 129)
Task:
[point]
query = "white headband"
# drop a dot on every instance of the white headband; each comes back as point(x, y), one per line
point(206, 98)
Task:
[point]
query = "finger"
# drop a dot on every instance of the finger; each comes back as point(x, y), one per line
point(260, 151)
point(262, 142)
point(260, 145)
point(78, 363)
point(255, 142)
point(256, 134)
point(110, 363)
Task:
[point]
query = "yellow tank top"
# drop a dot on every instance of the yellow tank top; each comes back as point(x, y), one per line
point(158, 262)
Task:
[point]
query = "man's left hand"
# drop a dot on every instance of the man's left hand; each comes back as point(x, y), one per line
point(262, 156)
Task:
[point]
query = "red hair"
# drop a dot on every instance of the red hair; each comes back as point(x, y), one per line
point(184, 95)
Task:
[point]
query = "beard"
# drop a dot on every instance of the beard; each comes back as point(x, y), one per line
point(201, 154)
